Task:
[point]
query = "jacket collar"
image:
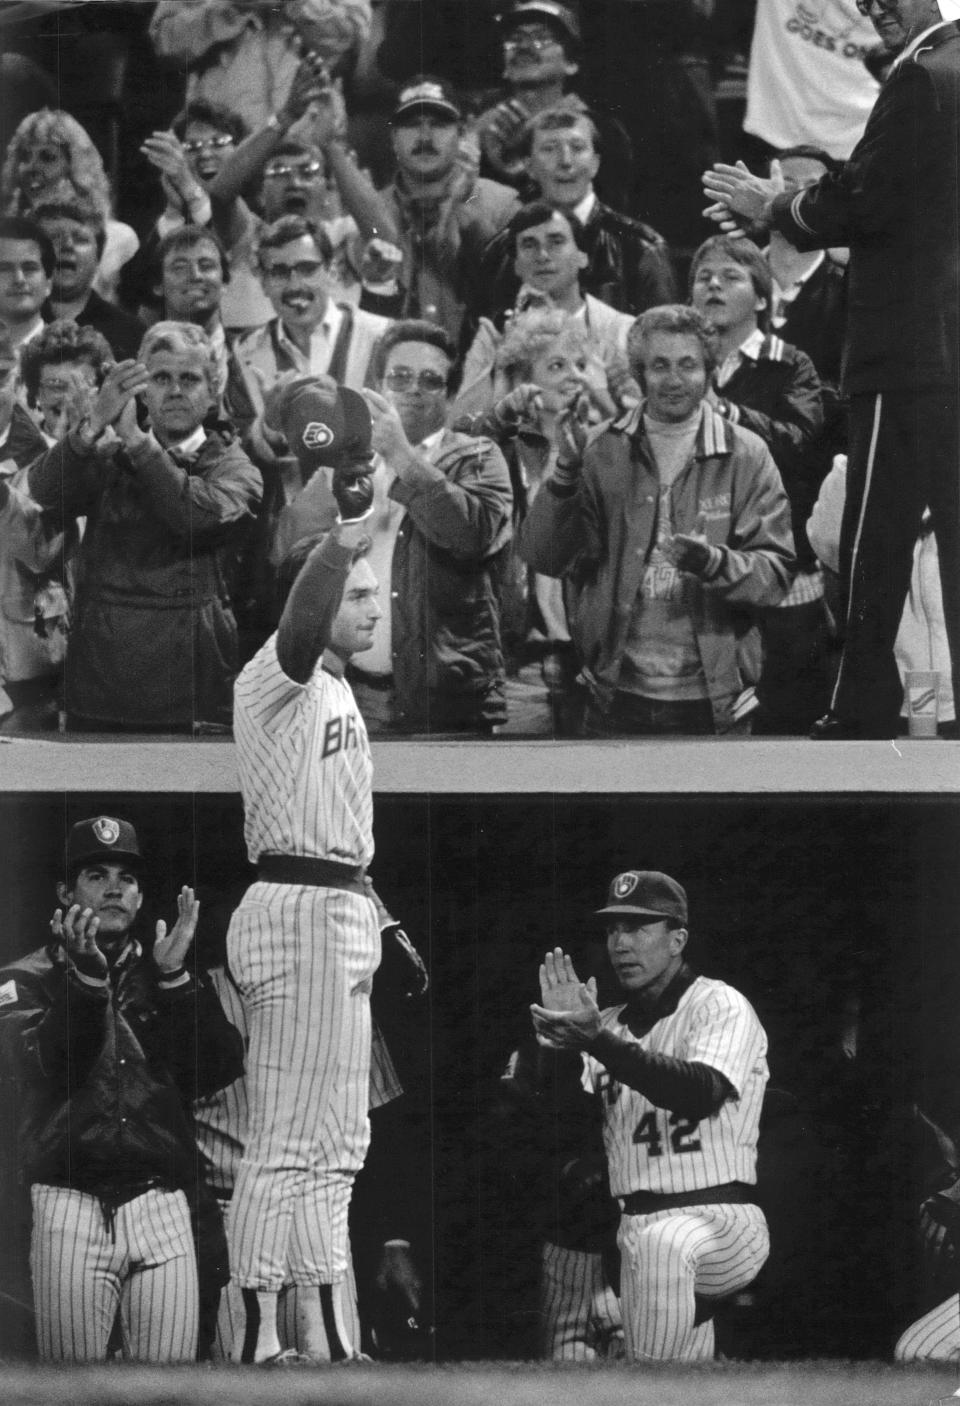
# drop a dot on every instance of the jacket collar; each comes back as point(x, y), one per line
point(713, 436)
point(931, 38)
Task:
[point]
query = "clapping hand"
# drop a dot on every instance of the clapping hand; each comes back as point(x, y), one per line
point(77, 931)
point(569, 1017)
point(170, 949)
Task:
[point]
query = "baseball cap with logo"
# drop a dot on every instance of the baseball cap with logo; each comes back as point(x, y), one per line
point(102, 838)
point(426, 94)
point(324, 423)
point(565, 17)
point(645, 891)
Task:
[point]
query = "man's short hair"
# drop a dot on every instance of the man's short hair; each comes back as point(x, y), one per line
point(743, 252)
point(291, 227)
point(82, 211)
point(415, 329)
point(295, 560)
point(538, 212)
point(561, 117)
point(177, 337)
point(59, 342)
point(808, 153)
point(23, 228)
point(189, 237)
point(679, 318)
point(224, 119)
point(290, 146)
point(529, 334)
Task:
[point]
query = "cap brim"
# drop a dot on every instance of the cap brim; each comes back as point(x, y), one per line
point(630, 908)
point(100, 856)
point(442, 108)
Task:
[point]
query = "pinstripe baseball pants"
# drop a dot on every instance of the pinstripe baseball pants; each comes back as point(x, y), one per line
point(84, 1270)
point(579, 1312)
point(667, 1257)
point(933, 1338)
point(303, 959)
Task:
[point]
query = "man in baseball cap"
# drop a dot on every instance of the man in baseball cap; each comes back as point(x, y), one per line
point(102, 838)
point(678, 1071)
point(645, 892)
point(443, 212)
point(93, 1021)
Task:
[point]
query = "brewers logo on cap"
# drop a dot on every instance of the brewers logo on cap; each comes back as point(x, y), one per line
point(106, 830)
point(317, 435)
point(624, 884)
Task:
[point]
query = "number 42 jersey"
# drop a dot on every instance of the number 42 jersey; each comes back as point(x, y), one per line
point(654, 1149)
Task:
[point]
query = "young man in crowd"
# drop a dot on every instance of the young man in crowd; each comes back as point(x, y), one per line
point(773, 389)
point(92, 1022)
point(77, 232)
point(27, 262)
point(628, 263)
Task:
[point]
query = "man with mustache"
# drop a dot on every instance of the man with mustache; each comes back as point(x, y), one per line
point(444, 214)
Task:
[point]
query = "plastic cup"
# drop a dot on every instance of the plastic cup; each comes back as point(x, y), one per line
point(921, 691)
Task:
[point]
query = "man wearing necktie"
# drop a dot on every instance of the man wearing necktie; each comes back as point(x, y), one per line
point(896, 204)
point(168, 503)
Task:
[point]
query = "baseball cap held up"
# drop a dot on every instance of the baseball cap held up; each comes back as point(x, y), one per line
point(645, 891)
point(324, 423)
point(102, 838)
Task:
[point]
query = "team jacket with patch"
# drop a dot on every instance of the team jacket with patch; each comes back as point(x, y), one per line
point(653, 1149)
point(102, 1076)
point(602, 532)
point(778, 396)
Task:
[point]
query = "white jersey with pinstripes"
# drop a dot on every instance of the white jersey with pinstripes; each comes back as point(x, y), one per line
point(652, 1149)
point(304, 760)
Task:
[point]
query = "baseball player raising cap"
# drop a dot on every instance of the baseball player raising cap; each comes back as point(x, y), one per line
point(679, 1069)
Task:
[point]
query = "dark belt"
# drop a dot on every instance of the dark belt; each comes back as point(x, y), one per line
point(380, 683)
point(320, 873)
point(731, 1193)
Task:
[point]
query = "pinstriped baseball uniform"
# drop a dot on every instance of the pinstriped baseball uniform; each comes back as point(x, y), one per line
point(670, 1255)
point(221, 1125)
point(303, 958)
point(580, 1317)
point(79, 1289)
point(935, 1337)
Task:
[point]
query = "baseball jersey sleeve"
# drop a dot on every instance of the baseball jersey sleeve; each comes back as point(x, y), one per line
point(725, 1034)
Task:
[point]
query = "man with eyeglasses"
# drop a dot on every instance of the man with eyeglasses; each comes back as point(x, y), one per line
point(309, 333)
point(541, 43)
point(896, 203)
point(441, 517)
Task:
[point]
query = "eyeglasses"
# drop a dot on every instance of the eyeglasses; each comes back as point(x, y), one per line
point(401, 378)
point(312, 168)
point(207, 144)
point(304, 268)
point(538, 39)
point(885, 7)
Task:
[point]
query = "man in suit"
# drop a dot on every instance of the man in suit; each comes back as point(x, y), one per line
point(896, 204)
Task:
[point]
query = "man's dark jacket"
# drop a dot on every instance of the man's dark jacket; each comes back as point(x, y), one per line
point(123, 331)
point(628, 266)
point(896, 204)
point(104, 1074)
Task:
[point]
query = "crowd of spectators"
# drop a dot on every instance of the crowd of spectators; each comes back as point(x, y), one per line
point(507, 255)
